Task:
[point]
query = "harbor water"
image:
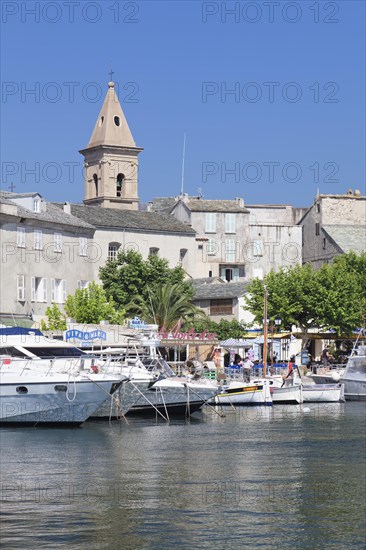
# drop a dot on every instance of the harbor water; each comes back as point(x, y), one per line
point(267, 477)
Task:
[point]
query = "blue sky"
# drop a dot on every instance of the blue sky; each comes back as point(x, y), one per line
point(294, 123)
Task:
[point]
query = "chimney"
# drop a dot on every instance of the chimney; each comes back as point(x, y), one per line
point(67, 208)
point(239, 201)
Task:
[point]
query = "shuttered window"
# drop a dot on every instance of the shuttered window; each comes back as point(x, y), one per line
point(221, 307)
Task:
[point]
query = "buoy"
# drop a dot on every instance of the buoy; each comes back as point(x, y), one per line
point(306, 410)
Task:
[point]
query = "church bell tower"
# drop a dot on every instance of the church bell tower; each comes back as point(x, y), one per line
point(111, 159)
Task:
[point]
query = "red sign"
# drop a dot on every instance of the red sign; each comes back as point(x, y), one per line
point(175, 334)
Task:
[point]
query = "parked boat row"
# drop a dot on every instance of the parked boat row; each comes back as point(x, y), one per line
point(45, 381)
point(274, 390)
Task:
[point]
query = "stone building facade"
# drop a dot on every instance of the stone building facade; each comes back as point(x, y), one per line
point(237, 241)
point(333, 225)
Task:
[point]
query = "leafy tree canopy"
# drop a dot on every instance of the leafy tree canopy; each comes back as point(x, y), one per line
point(91, 305)
point(55, 319)
point(165, 305)
point(333, 297)
point(224, 329)
point(130, 275)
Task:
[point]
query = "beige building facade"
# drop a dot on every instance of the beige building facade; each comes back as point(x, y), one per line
point(111, 159)
point(46, 254)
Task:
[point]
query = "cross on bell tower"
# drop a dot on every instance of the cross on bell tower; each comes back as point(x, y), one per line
point(111, 159)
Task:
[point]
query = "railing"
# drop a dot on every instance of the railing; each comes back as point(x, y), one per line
point(48, 365)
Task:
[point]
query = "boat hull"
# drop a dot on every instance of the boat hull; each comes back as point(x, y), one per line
point(174, 409)
point(245, 395)
point(174, 396)
point(325, 393)
point(44, 405)
point(354, 390)
point(122, 400)
point(286, 395)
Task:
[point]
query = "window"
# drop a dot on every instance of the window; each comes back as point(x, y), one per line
point(258, 248)
point(324, 243)
point(57, 242)
point(38, 289)
point(38, 239)
point(230, 273)
point(21, 237)
point(153, 251)
point(21, 288)
point(113, 251)
point(63, 291)
point(60, 387)
point(221, 307)
point(318, 207)
point(117, 120)
point(211, 247)
point(58, 291)
point(83, 241)
point(317, 229)
point(21, 389)
point(95, 179)
point(182, 254)
point(36, 206)
point(230, 223)
point(252, 219)
point(120, 181)
point(230, 250)
point(83, 284)
point(210, 222)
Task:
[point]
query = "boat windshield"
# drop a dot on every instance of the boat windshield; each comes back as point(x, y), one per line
point(356, 367)
point(54, 351)
point(13, 352)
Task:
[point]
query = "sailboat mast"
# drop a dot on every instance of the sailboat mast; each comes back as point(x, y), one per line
point(183, 161)
point(265, 333)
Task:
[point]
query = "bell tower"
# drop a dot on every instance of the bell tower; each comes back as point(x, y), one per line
point(111, 159)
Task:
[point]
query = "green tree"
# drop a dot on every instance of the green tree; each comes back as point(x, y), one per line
point(55, 319)
point(332, 297)
point(91, 305)
point(130, 275)
point(292, 294)
point(224, 329)
point(165, 305)
point(342, 306)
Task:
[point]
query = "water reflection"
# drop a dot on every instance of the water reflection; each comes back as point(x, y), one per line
point(269, 477)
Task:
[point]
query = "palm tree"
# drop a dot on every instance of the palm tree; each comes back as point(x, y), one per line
point(166, 305)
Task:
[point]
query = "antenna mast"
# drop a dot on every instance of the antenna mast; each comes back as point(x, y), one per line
point(184, 156)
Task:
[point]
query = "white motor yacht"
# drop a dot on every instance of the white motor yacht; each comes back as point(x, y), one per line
point(54, 368)
point(354, 378)
point(33, 395)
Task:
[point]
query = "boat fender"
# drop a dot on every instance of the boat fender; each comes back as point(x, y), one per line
point(94, 369)
point(335, 376)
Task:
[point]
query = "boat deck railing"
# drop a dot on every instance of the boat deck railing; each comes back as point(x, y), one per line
point(73, 366)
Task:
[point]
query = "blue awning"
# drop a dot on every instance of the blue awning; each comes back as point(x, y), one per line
point(18, 331)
